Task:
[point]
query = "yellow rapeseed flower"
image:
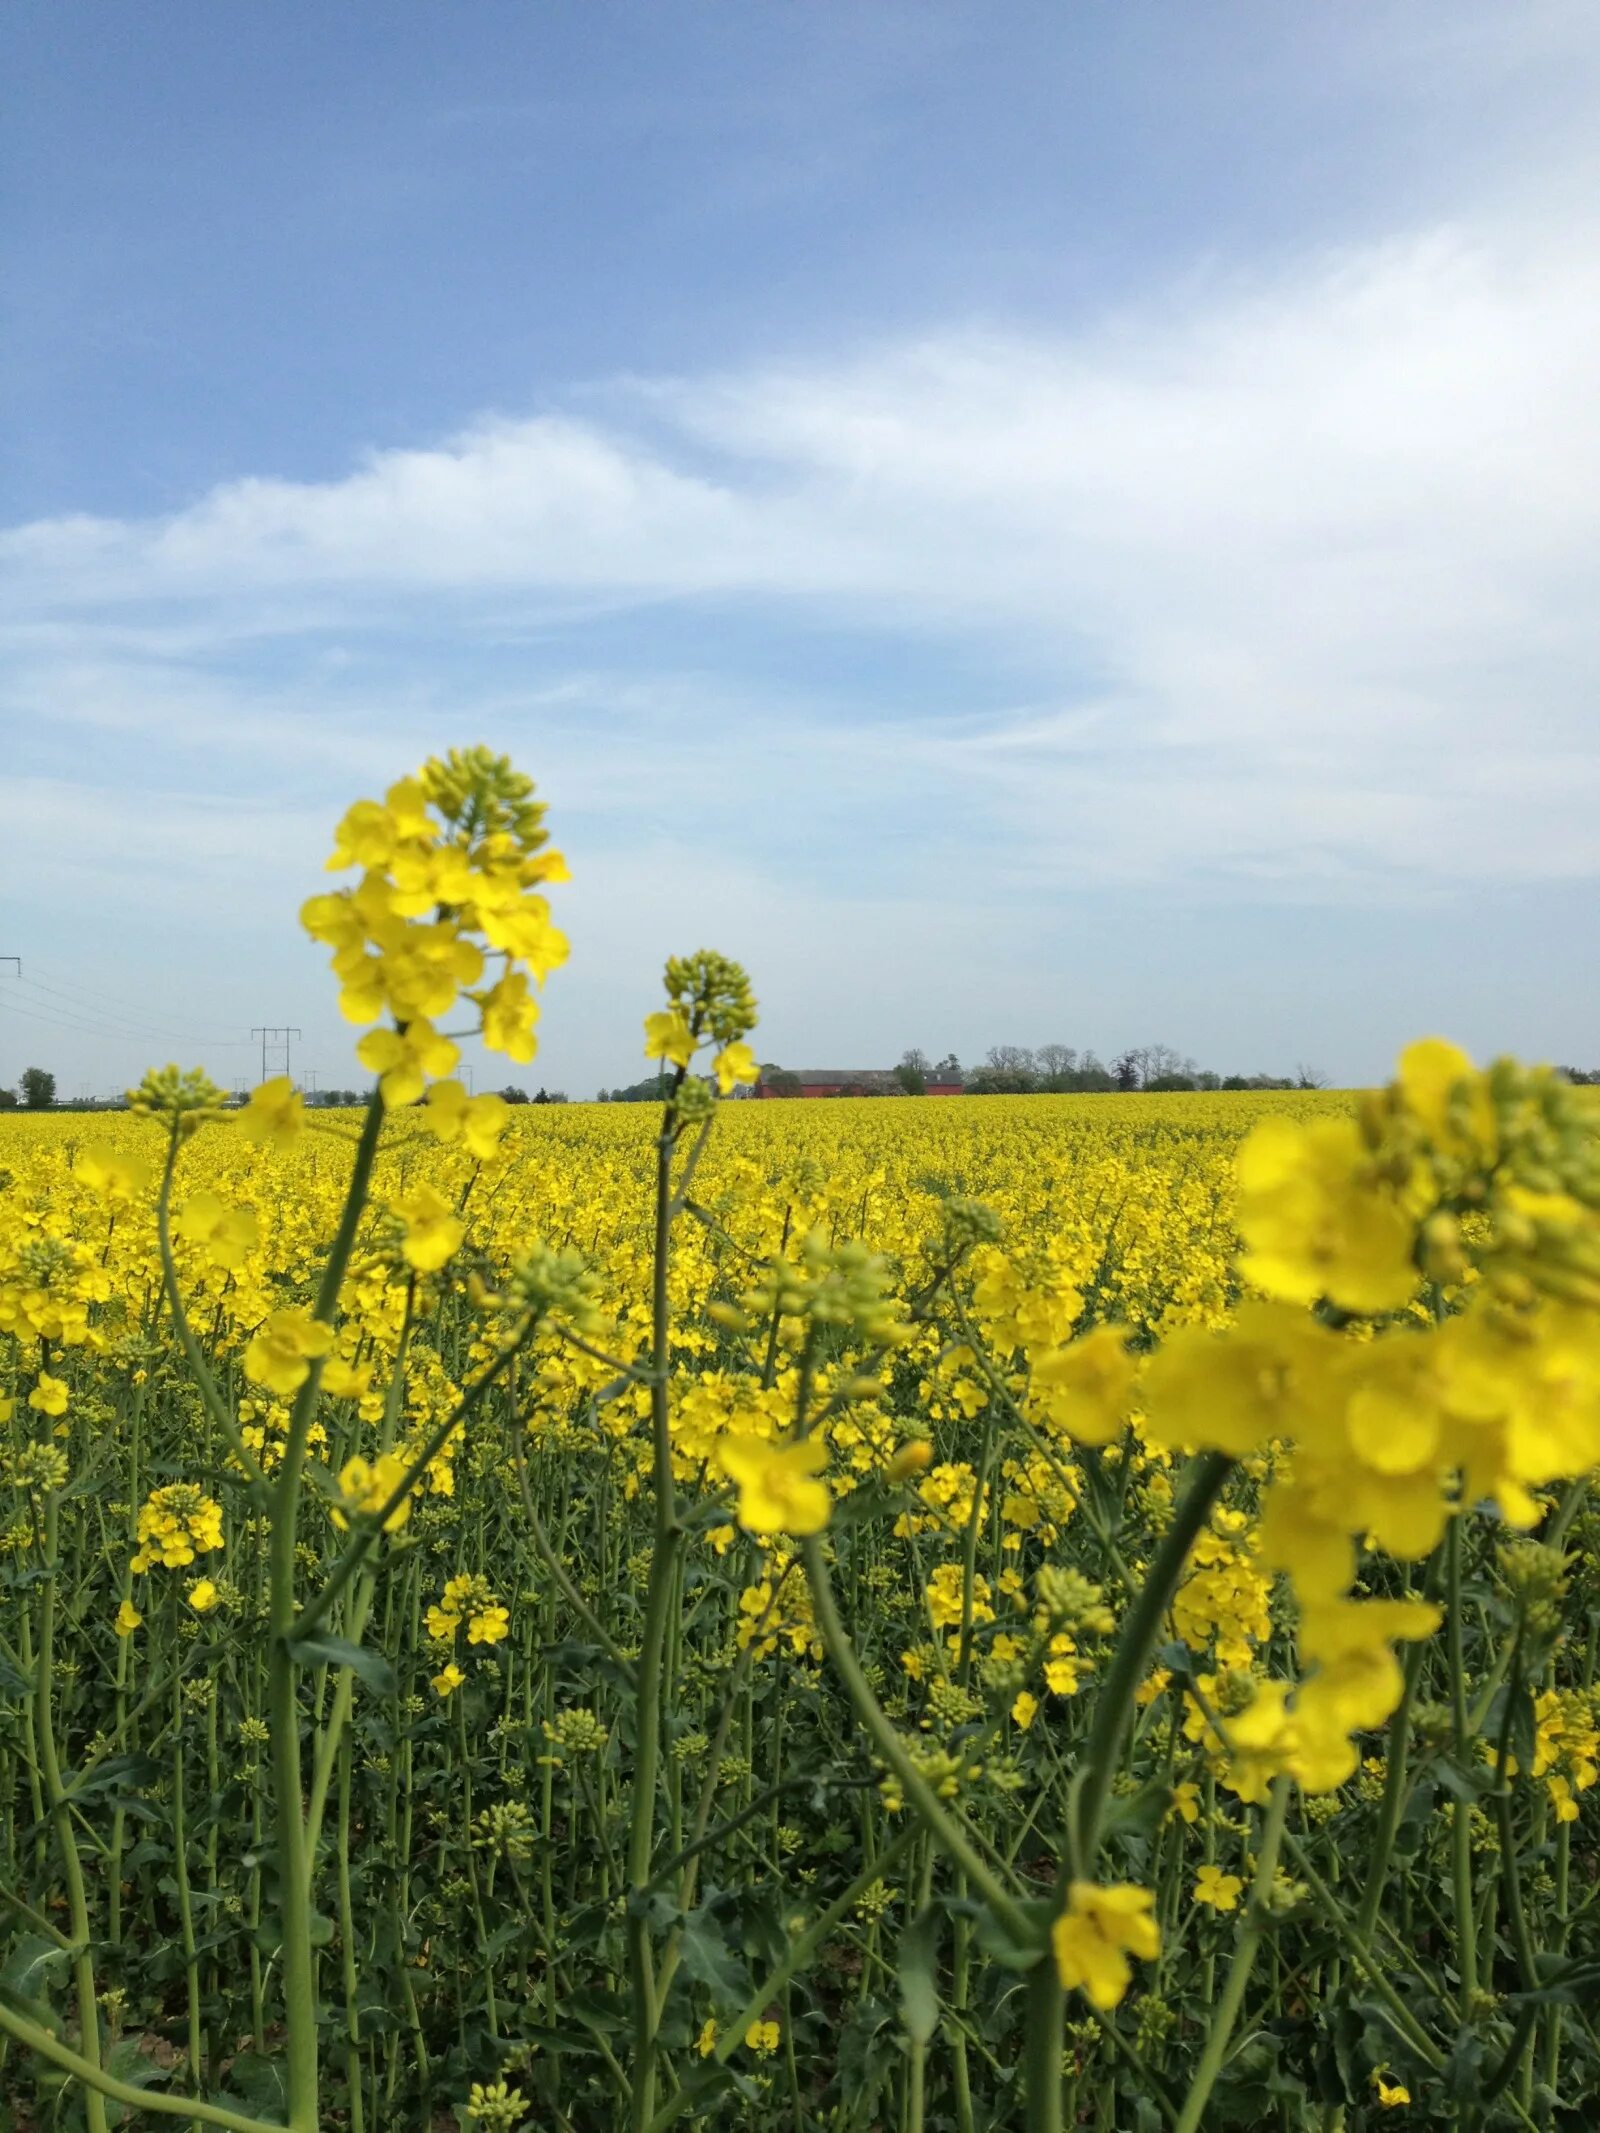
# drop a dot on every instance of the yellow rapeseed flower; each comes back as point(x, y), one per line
point(49, 1395)
point(778, 1491)
point(1097, 1932)
point(1315, 1224)
point(281, 1352)
point(227, 1235)
point(667, 1036)
point(274, 1115)
point(403, 1059)
point(1220, 1891)
point(431, 1229)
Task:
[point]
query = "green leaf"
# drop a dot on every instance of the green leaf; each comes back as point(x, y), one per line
point(707, 1958)
point(997, 1941)
point(867, 1501)
point(30, 1968)
point(868, 2056)
point(556, 2041)
point(1574, 1983)
point(260, 2084)
point(137, 2068)
point(917, 1966)
point(318, 1648)
point(1464, 1781)
point(118, 1773)
point(1141, 1812)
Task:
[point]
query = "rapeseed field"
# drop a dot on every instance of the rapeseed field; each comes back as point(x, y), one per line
point(1035, 1612)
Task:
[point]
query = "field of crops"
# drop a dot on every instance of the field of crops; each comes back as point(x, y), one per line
point(873, 1615)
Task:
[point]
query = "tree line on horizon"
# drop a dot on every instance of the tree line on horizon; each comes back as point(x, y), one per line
point(1006, 1070)
point(1049, 1069)
point(36, 1091)
point(1061, 1069)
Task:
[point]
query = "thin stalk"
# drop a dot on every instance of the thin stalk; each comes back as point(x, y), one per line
point(1460, 1810)
point(35, 2038)
point(1247, 1941)
point(55, 1791)
point(649, 1681)
point(1376, 1867)
point(283, 1703)
point(946, 1830)
point(1130, 1662)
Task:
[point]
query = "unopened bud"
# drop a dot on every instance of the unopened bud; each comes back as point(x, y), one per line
point(913, 1458)
point(1443, 1258)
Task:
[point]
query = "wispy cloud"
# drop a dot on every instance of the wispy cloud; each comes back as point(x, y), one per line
point(1275, 591)
point(1310, 559)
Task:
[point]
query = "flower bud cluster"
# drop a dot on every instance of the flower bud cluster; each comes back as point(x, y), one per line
point(453, 864)
point(184, 1097)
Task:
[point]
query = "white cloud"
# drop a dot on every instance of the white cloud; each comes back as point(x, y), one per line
point(1310, 560)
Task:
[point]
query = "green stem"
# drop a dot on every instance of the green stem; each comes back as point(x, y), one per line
point(1131, 1660)
point(805, 1945)
point(347, 1950)
point(1366, 1962)
point(649, 1681)
point(1460, 1810)
point(1042, 2061)
point(1246, 1943)
point(1375, 1869)
point(945, 1829)
point(216, 1407)
point(48, 2046)
point(180, 1867)
point(60, 1814)
point(283, 1703)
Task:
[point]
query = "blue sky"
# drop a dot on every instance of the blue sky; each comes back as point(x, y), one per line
point(1058, 522)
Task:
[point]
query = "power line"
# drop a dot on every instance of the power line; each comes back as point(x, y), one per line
point(56, 1007)
point(37, 1014)
point(106, 1007)
point(278, 1035)
point(66, 1018)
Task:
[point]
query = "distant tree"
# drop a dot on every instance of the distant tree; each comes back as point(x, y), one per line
point(1208, 1080)
point(649, 1091)
point(948, 1069)
point(8, 1100)
point(1309, 1077)
point(912, 1072)
point(1157, 1062)
point(511, 1094)
point(1165, 1084)
point(1091, 1075)
point(1007, 1070)
point(38, 1088)
point(1010, 1059)
point(1056, 1062)
point(1580, 1077)
point(1127, 1071)
point(781, 1082)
